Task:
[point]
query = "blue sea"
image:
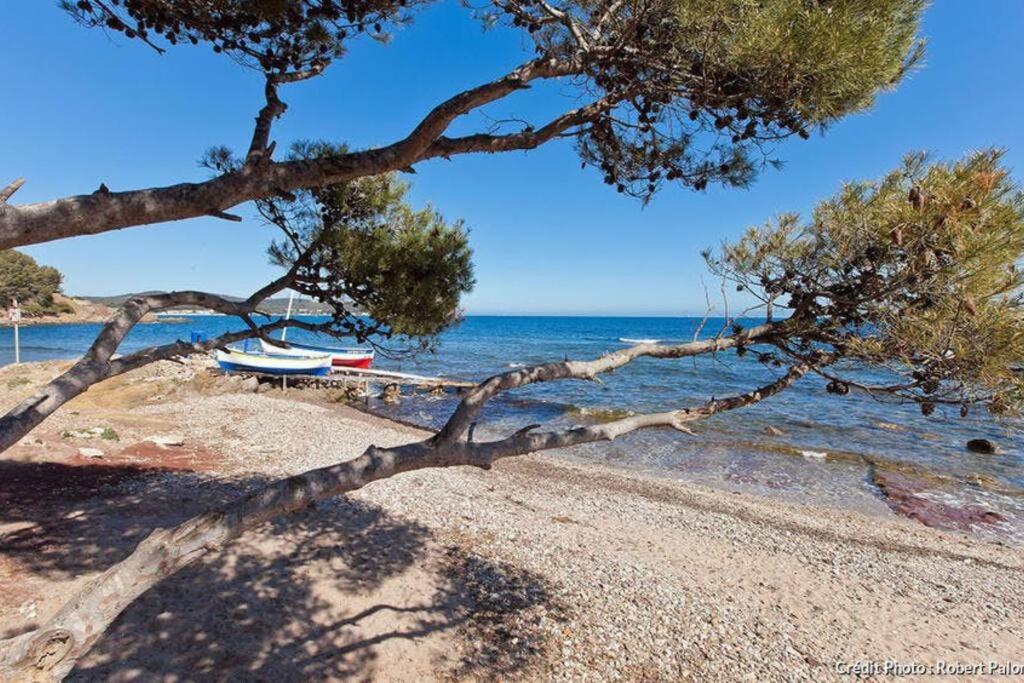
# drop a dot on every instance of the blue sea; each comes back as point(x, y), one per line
point(830, 452)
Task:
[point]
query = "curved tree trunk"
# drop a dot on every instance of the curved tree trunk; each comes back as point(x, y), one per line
point(93, 367)
point(31, 412)
point(99, 363)
point(27, 415)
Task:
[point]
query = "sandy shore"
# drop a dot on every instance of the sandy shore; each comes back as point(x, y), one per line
point(540, 568)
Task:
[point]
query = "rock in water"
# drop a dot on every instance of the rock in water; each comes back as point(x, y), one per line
point(773, 431)
point(392, 393)
point(983, 446)
point(168, 440)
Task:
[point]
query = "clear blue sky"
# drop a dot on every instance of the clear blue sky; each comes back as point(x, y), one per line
point(82, 108)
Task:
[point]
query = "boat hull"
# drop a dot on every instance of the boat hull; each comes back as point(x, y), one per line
point(361, 363)
point(237, 361)
point(346, 358)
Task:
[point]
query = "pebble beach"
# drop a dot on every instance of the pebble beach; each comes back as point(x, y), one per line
point(542, 568)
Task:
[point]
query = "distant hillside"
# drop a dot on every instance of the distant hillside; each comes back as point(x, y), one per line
point(114, 301)
point(276, 306)
point(70, 310)
point(299, 306)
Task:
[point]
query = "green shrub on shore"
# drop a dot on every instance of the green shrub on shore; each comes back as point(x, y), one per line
point(105, 433)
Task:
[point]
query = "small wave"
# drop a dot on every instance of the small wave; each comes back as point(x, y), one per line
point(600, 414)
point(31, 347)
point(630, 340)
point(515, 365)
point(527, 402)
point(818, 455)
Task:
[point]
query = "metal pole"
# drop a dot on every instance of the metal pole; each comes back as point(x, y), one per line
point(15, 318)
point(288, 314)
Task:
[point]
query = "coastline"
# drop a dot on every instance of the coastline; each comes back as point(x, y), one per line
point(89, 312)
point(541, 567)
point(82, 312)
point(55, 321)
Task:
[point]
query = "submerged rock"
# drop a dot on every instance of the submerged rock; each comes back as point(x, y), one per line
point(392, 393)
point(988, 482)
point(983, 446)
point(906, 495)
point(773, 431)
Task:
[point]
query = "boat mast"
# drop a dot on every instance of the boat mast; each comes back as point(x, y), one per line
point(288, 314)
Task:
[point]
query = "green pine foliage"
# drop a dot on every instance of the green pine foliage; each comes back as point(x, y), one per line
point(714, 83)
point(383, 267)
point(826, 58)
point(696, 91)
point(412, 270)
point(917, 272)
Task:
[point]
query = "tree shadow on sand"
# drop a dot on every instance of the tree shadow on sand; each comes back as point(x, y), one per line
point(323, 594)
point(75, 519)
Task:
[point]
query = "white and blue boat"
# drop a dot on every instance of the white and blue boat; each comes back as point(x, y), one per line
point(233, 360)
point(360, 359)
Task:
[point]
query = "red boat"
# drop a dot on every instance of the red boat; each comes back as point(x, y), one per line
point(348, 358)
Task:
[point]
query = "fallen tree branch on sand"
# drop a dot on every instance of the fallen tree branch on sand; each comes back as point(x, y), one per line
point(51, 651)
